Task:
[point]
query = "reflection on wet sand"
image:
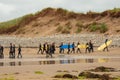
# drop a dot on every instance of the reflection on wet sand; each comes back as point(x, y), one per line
point(65, 61)
point(12, 63)
point(1, 64)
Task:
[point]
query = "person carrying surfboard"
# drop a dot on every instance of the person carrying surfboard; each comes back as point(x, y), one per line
point(87, 48)
point(106, 48)
point(78, 49)
point(68, 48)
point(61, 49)
point(73, 48)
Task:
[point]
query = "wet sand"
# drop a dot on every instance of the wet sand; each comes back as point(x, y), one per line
point(27, 72)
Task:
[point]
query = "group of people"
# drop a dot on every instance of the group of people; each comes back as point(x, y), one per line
point(89, 48)
point(12, 51)
point(47, 48)
point(50, 48)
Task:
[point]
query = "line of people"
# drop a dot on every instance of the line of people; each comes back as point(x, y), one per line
point(12, 51)
point(47, 48)
point(89, 48)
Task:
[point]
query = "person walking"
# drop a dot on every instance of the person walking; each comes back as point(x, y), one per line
point(40, 49)
point(68, 48)
point(44, 47)
point(73, 48)
point(53, 48)
point(61, 49)
point(78, 49)
point(19, 52)
point(87, 48)
point(2, 51)
point(13, 51)
point(47, 50)
point(91, 46)
point(106, 48)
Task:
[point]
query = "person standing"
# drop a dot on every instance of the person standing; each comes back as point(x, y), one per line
point(106, 48)
point(91, 46)
point(40, 49)
point(19, 52)
point(78, 49)
point(13, 51)
point(73, 47)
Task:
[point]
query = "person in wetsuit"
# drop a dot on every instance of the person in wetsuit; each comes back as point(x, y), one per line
point(44, 47)
point(73, 48)
point(19, 52)
point(40, 49)
point(78, 49)
point(87, 48)
point(106, 48)
point(61, 49)
point(1, 51)
point(13, 50)
point(68, 48)
point(91, 46)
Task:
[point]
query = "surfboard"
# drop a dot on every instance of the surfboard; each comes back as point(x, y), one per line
point(104, 45)
point(65, 46)
point(82, 46)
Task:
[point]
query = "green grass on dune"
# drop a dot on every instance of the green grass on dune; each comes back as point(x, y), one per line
point(22, 21)
point(15, 22)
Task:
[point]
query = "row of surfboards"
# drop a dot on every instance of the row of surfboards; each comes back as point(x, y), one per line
point(83, 46)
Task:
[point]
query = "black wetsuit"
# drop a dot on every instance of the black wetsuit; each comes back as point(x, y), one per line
point(44, 48)
point(106, 45)
point(73, 49)
point(40, 49)
point(19, 52)
point(13, 52)
point(91, 47)
point(68, 49)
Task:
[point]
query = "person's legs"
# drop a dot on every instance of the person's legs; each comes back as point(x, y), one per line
point(13, 54)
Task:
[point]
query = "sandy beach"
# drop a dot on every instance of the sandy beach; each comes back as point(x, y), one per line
point(31, 63)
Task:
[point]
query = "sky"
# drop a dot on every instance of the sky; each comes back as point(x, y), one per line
point(10, 9)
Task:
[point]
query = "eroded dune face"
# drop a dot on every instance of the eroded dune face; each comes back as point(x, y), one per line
point(59, 21)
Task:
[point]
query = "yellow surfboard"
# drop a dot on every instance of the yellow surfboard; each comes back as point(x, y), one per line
point(104, 45)
point(82, 46)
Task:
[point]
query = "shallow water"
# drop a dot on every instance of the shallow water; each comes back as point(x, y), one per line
point(64, 61)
